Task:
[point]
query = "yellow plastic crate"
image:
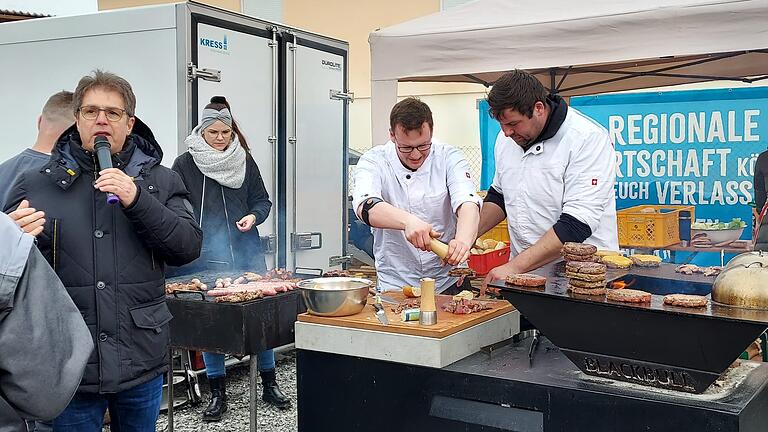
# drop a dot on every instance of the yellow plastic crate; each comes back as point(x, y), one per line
point(652, 226)
point(498, 233)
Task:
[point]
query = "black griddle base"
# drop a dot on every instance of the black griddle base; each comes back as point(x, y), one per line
point(501, 392)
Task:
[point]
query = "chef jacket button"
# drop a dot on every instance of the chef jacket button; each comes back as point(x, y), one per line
point(150, 187)
point(408, 176)
point(48, 170)
point(103, 337)
point(100, 285)
point(538, 148)
point(98, 233)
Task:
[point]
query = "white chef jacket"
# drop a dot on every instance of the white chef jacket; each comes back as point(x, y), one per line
point(433, 193)
point(573, 172)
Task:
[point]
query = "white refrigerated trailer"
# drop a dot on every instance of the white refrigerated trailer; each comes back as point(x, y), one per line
point(287, 88)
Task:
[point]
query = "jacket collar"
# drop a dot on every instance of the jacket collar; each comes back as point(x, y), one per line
point(69, 160)
point(557, 111)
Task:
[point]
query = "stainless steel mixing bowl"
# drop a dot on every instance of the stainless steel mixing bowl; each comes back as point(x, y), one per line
point(334, 296)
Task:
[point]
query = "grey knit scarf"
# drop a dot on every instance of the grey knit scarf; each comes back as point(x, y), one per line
point(226, 167)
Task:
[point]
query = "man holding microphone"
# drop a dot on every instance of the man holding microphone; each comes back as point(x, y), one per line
point(108, 234)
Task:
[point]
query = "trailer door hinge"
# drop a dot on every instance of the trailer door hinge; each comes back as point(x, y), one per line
point(268, 244)
point(194, 73)
point(340, 95)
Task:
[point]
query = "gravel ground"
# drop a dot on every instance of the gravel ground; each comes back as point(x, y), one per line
point(270, 419)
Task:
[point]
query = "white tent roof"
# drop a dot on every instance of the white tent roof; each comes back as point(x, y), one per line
point(583, 47)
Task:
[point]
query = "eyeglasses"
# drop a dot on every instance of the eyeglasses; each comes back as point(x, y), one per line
point(421, 148)
point(91, 112)
point(214, 133)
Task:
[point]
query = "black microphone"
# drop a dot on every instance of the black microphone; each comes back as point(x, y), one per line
point(103, 150)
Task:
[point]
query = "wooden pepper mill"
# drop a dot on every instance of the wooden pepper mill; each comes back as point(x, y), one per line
point(428, 314)
point(439, 248)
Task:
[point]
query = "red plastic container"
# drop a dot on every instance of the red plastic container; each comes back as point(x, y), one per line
point(197, 360)
point(482, 264)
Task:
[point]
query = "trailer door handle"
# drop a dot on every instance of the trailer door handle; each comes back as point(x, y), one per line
point(306, 241)
point(194, 73)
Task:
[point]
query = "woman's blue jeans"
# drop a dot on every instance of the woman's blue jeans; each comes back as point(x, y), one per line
point(214, 363)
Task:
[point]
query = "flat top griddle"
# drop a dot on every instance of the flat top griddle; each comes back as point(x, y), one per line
point(652, 344)
point(659, 281)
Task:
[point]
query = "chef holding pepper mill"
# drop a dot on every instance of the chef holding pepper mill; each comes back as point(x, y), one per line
point(411, 190)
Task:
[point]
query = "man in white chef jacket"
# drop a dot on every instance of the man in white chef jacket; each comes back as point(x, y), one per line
point(555, 172)
point(409, 190)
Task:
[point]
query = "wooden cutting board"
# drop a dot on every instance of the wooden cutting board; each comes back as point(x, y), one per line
point(447, 323)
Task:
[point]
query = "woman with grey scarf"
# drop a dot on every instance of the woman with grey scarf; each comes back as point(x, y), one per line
point(229, 200)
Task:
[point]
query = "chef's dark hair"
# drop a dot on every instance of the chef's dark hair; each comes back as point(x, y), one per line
point(220, 102)
point(410, 113)
point(518, 90)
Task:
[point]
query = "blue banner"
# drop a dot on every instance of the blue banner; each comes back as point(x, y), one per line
point(685, 147)
point(694, 147)
point(489, 128)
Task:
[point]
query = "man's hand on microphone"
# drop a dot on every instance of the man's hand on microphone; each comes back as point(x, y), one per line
point(119, 183)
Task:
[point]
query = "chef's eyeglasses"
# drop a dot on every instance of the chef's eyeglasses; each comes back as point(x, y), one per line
point(91, 112)
point(421, 148)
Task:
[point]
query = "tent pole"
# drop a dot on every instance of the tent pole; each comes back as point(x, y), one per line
point(562, 79)
point(625, 75)
point(552, 79)
point(477, 80)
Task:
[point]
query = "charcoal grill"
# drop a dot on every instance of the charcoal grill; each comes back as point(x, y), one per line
point(670, 347)
point(246, 328)
point(201, 324)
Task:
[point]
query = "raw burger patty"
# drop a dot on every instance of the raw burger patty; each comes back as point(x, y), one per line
point(685, 300)
point(586, 277)
point(586, 291)
point(526, 279)
point(586, 284)
point(585, 267)
point(579, 249)
point(629, 296)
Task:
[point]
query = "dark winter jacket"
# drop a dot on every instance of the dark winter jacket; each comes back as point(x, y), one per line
point(44, 343)
point(222, 208)
point(110, 258)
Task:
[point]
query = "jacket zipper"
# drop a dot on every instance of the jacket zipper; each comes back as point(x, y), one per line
point(229, 232)
point(55, 245)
